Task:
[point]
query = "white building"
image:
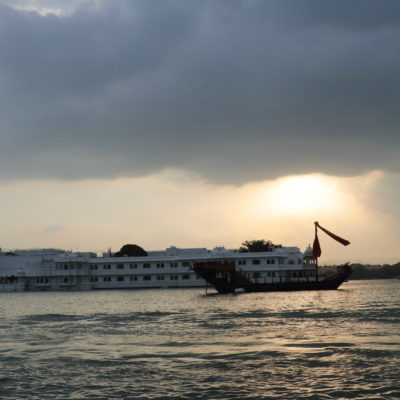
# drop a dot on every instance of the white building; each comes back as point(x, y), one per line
point(49, 269)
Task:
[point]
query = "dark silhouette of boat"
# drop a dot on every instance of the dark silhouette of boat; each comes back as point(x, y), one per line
point(226, 278)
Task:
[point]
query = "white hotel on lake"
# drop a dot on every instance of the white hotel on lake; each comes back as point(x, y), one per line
point(50, 269)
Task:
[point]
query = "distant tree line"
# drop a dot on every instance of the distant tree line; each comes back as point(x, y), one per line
point(366, 271)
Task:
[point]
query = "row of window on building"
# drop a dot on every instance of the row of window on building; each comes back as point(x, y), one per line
point(8, 279)
point(79, 266)
point(69, 266)
point(144, 265)
point(42, 280)
point(60, 280)
point(70, 280)
point(143, 278)
point(267, 261)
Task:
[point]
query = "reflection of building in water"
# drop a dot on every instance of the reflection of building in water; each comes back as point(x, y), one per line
point(50, 269)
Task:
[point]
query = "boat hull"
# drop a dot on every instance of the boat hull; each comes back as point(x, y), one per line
point(226, 279)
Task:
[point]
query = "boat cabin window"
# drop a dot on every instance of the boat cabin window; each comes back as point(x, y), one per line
point(256, 262)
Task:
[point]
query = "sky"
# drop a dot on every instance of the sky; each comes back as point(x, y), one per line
point(196, 124)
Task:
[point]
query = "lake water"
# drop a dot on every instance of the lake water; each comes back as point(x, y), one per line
point(183, 344)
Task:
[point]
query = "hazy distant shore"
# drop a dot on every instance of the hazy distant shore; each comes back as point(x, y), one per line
point(370, 271)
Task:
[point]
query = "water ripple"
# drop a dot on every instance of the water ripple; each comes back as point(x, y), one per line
point(149, 345)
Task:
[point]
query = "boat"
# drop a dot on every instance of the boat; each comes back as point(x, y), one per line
point(226, 277)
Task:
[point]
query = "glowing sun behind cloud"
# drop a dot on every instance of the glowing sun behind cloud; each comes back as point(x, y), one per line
point(303, 194)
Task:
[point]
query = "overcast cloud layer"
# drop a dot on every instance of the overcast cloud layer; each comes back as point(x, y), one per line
point(234, 90)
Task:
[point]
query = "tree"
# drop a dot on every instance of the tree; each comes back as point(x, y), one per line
point(256, 246)
point(131, 250)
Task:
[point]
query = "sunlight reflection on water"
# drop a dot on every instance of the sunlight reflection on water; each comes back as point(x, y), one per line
point(182, 344)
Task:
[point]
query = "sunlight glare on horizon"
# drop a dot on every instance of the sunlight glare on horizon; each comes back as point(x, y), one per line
point(302, 194)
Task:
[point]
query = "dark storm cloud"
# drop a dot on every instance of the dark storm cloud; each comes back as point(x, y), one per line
point(235, 90)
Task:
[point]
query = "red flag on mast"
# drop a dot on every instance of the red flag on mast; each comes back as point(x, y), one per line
point(316, 246)
point(344, 242)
